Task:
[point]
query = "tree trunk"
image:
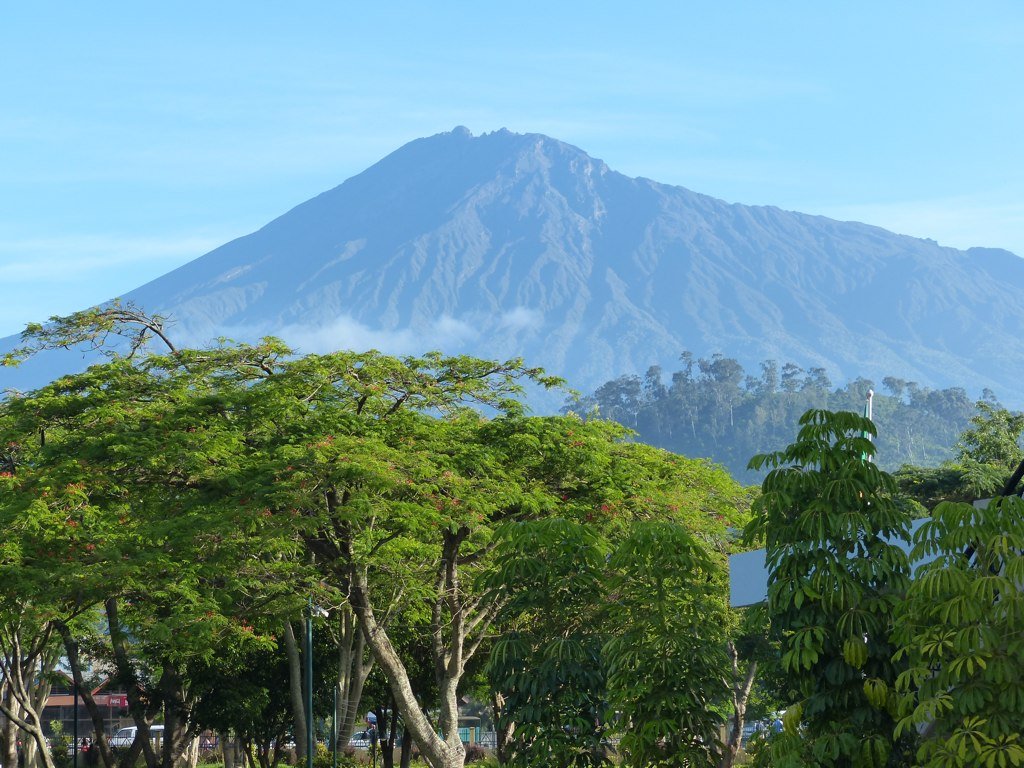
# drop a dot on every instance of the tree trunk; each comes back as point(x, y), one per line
point(143, 705)
point(31, 750)
point(454, 617)
point(740, 697)
point(189, 755)
point(295, 689)
point(406, 757)
point(445, 751)
point(387, 748)
point(178, 736)
point(8, 739)
point(40, 692)
point(100, 742)
point(504, 729)
point(22, 668)
point(354, 666)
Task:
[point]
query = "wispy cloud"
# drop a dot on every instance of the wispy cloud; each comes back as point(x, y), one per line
point(345, 332)
point(68, 258)
point(42, 277)
point(521, 319)
point(452, 334)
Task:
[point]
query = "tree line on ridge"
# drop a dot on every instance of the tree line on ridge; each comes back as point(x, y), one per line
point(714, 408)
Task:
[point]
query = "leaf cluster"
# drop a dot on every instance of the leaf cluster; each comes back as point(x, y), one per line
point(959, 632)
point(830, 522)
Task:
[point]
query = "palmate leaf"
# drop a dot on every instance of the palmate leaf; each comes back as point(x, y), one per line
point(968, 606)
point(832, 577)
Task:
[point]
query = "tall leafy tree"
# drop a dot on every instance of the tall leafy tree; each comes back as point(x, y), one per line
point(666, 657)
point(988, 461)
point(990, 449)
point(393, 504)
point(220, 480)
point(547, 667)
point(383, 493)
point(336, 455)
point(829, 521)
point(959, 633)
point(600, 606)
point(100, 510)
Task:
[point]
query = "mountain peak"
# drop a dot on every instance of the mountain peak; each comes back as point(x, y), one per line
point(506, 244)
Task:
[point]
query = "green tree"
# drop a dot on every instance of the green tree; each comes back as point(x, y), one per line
point(666, 656)
point(98, 512)
point(29, 653)
point(989, 451)
point(220, 482)
point(546, 666)
point(600, 606)
point(351, 465)
point(242, 696)
point(988, 461)
point(959, 633)
point(827, 517)
point(330, 462)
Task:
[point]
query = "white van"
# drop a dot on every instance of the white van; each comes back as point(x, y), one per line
point(125, 736)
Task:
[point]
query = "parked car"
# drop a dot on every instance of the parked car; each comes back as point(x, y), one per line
point(125, 736)
point(360, 740)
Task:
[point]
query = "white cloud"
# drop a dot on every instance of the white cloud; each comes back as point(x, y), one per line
point(521, 319)
point(446, 332)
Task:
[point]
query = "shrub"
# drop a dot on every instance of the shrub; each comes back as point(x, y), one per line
point(347, 757)
point(60, 744)
point(211, 757)
point(475, 753)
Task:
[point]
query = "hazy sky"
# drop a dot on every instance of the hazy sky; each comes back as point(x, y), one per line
point(137, 136)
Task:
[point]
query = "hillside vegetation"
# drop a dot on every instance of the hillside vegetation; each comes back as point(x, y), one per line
point(714, 408)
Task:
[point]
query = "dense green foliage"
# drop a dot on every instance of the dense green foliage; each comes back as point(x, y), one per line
point(187, 504)
point(165, 516)
point(828, 519)
point(103, 544)
point(667, 655)
point(886, 670)
point(987, 461)
point(615, 628)
point(716, 409)
point(960, 632)
point(547, 663)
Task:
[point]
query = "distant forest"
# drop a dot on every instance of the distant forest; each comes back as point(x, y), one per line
point(714, 408)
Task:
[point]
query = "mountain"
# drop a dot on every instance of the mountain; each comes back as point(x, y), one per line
point(506, 244)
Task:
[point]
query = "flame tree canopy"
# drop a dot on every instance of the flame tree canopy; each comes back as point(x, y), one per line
point(192, 497)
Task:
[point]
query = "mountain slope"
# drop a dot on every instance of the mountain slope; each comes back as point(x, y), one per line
point(508, 244)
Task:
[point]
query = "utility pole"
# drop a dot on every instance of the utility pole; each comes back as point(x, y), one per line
point(309, 683)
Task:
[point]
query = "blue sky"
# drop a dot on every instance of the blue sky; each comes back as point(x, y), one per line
point(137, 136)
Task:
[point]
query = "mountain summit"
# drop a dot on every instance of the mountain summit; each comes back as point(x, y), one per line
point(505, 244)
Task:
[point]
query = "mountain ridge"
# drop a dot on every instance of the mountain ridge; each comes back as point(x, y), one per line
point(508, 244)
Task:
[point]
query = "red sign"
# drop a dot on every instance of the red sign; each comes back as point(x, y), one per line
point(118, 700)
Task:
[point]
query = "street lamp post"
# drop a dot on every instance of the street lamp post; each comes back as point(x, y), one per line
point(309, 683)
point(74, 728)
point(310, 610)
point(334, 730)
